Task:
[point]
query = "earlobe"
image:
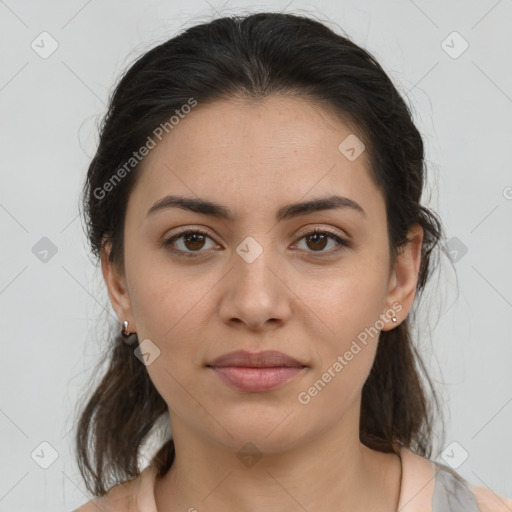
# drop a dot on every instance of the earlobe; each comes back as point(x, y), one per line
point(116, 286)
point(405, 276)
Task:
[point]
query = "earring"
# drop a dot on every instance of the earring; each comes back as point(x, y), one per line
point(129, 338)
point(394, 320)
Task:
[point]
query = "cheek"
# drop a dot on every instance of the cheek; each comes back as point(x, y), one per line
point(344, 360)
point(347, 312)
point(170, 312)
point(346, 303)
point(171, 309)
point(168, 301)
point(335, 390)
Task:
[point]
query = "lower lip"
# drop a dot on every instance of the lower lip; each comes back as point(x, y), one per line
point(256, 379)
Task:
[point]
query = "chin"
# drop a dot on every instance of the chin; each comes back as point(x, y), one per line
point(269, 433)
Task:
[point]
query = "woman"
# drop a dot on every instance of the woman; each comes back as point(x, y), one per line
point(255, 204)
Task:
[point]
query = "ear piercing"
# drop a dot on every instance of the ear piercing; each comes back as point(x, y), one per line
point(129, 338)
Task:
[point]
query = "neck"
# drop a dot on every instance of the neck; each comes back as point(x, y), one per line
point(332, 471)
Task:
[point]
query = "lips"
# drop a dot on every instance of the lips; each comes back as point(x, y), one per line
point(264, 359)
point(256, 372)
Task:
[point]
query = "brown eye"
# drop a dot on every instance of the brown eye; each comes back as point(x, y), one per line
point(191, 241)
point(317, 240)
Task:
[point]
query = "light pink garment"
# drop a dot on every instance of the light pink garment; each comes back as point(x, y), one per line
point(426, 487)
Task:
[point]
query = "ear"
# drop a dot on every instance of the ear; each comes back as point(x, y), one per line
point(404, 277)
point(117, 289)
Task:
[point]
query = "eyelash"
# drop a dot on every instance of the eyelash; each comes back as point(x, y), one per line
point(343, 244)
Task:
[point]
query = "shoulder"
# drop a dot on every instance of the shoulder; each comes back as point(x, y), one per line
point(489, 501)
point(128, 496)
point(418, 480)
point(431, 486)
point(90, 506)
point(459, 493)
point(119, 498)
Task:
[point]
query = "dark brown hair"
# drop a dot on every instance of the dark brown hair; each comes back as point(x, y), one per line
point(252, 57)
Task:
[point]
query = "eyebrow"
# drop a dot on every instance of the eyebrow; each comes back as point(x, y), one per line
point(205, 207)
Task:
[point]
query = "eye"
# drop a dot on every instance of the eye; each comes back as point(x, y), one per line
point(318, 239)
point(195, 239)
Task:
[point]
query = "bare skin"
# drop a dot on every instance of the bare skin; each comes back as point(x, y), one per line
point(300, 296)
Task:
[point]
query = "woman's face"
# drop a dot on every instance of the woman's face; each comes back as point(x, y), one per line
point(259, 280)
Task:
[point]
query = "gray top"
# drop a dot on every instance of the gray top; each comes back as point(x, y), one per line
point(451, 492)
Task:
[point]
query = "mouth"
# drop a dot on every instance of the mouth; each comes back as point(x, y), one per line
point(256, 372)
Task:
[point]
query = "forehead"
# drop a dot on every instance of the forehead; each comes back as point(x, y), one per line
point(250, 153)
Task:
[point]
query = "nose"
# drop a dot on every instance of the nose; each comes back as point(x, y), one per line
point(256, 293)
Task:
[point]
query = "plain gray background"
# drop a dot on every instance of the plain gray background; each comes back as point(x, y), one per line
point(52, 311)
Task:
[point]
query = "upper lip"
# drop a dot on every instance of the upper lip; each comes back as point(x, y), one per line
point(264, 359)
